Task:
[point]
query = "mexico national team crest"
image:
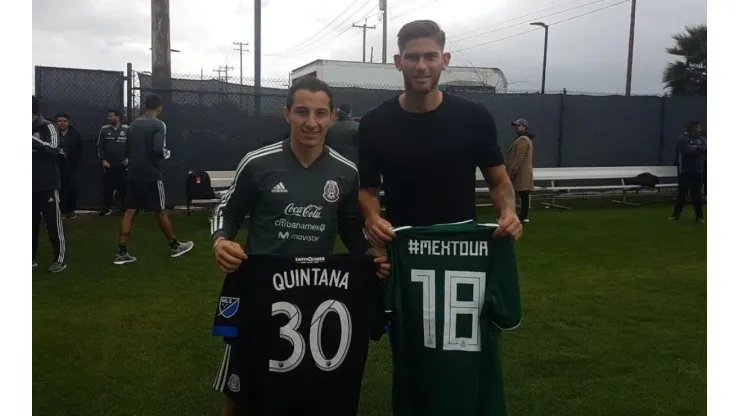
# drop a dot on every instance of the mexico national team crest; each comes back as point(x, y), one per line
point(234, 384)
point(228, 306)
point(331, 191)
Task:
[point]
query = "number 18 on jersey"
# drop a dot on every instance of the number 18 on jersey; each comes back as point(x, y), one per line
point(453, 287)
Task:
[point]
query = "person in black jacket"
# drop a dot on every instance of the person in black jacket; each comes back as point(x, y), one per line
point(691, 149)
point(46, 182)
point(69, 162)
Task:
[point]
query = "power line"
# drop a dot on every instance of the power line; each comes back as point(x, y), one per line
point(425, 4)
point(312, 38)
point(511, 20)
point(322, 44)
point(524, 23)
point(551, 24)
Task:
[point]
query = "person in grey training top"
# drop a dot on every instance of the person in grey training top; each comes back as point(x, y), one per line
point(112, 154)
point(145, 150)
point(342, 135)
point(300, 194)
point(46, 182)
point(691, 149)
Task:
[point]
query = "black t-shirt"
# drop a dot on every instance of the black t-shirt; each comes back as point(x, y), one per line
point(303, 326)
point(427, 160)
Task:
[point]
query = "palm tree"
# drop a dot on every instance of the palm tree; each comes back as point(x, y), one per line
point(688, 76)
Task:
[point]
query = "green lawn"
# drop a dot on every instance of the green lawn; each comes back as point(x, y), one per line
point(614, 322)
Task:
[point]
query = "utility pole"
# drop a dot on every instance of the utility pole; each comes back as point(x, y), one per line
point(161, 59)
point(371, 54)
point(364, 28)
point(219, 71)
point(257, 56)
point(384, 8)
point(628, 87)
point(241, 51)
point(544, 55)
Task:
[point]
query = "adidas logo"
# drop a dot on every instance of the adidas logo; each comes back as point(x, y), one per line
point(280, 189)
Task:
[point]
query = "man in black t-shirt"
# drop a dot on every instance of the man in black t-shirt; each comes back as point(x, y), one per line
point(426, 145)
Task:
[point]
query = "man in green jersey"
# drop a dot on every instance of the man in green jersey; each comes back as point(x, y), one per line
point(452, 289)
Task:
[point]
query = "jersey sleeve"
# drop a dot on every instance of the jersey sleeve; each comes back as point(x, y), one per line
point(160, 140)
point(488, 153)
point(502, 293)
point(235, 204)
point(368, 154)
point(227, 318)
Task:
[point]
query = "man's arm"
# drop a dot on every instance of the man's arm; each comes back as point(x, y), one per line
point(48, 141)
point(369, 170)
point(500, 189)
point(491, 164)
point(101, 145)
point(350, 223)
point(160, 140)
point(234, 205)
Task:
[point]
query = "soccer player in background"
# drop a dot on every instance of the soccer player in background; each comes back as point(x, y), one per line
point(145, 150)
point(426, 145)
point(691, 151)
point(112, 154)
point(46, 182)
point(299, 193)
point(342, 135)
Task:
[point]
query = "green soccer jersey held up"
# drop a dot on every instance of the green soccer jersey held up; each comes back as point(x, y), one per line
point(452, 289)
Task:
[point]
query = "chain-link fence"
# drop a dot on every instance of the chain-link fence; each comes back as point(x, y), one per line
point(213, 121)
point(86, 96)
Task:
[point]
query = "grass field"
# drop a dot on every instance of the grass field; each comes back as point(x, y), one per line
point(614, 303)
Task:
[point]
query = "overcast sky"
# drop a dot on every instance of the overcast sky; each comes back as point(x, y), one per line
point(587, 53)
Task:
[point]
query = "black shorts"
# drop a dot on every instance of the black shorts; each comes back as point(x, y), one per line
point(145, 195)
point(228, 378)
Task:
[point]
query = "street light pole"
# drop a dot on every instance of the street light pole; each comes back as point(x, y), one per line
point(544, 58)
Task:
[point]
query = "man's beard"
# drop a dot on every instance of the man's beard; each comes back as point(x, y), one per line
point(408, 83)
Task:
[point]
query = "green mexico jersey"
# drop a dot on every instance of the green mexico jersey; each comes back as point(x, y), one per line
point(453, 287)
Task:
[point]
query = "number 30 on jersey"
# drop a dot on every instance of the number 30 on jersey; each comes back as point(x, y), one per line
point(453, 307)
point(289, 332)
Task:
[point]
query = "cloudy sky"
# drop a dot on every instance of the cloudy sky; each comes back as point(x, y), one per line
point(586, 53)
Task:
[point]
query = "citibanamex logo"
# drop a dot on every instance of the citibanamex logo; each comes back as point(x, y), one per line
point(308, 211)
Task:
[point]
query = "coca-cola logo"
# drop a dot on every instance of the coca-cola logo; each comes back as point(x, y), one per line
point(308, 211)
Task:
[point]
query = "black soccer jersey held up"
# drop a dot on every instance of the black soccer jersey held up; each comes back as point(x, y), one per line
point(427, 160)
point(304, 326)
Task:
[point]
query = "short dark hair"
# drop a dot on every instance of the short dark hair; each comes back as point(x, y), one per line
point(692, 125)
point(152, 102)
point(345, 108)
point(35, 102)
point(115, 112)
point(312, 84)
point(419, 29)
point(62, 115)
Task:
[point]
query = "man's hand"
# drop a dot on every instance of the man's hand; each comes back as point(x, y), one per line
point(508, 226)
point(381, 260)
point(379, 231)
point(106, 164)
point(229, 255)
point(125, 162)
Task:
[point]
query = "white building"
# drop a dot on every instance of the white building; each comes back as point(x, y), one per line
point(385, 76)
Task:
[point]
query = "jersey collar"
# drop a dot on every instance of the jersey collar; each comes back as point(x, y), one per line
point(288, 151)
